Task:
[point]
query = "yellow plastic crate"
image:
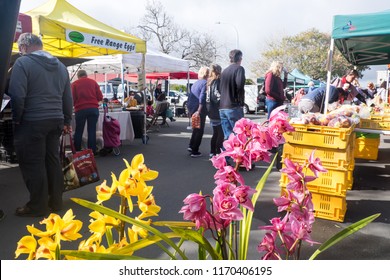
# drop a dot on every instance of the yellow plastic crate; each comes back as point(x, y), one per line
point(376, 122)
point(320, 136)
point(328, 207)
point(333, 182)
point(367, 148)
point(333, 158)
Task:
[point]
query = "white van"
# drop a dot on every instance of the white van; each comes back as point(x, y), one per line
point(251, 93)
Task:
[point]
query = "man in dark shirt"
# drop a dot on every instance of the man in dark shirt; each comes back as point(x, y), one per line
point(232, 93)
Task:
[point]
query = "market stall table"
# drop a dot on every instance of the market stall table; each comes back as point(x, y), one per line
point(124, 118)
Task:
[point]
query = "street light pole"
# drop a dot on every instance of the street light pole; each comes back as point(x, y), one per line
point(235, 29)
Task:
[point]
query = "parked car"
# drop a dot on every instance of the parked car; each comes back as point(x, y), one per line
point(176, 98)
point(107, 90)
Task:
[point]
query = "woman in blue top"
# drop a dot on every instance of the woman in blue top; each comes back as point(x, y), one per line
point(197, 105)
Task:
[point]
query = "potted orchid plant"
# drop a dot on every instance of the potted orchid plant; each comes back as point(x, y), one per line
point(226, 215)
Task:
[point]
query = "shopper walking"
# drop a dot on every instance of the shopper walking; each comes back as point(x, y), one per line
point(197, 106)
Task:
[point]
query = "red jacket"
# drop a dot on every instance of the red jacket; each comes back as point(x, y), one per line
point(86, 94)
point(274, 87)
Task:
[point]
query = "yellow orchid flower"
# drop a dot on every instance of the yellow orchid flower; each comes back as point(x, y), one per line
point(95, 238)
point(64, 228)
point(145, 173)
point(104, 192)
point(26, 245)
point(140, 231)
point(148, 207)
point(117, 246)
point(47, 249)
point(133, 236)
point(146, 192)
point(129, 185)
point(101, 221)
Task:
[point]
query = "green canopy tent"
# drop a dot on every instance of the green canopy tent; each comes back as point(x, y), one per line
point(363, 39)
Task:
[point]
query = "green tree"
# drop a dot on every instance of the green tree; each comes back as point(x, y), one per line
point(306, 51)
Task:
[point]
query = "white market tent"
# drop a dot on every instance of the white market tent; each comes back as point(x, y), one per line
point(155, 62)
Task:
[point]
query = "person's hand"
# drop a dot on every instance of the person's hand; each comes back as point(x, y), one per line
point(67, 129)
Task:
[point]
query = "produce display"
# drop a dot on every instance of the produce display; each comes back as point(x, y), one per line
point(345, 116)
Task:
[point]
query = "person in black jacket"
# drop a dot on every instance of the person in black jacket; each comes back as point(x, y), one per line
point(232, 87)
point(213, 97)
point(41, 111)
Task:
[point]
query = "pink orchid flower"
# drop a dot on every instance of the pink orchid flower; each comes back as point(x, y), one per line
point(243, 195)
point(315, 164)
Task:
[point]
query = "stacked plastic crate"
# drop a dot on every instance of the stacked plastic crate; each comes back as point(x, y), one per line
point(367, 145)
point(335, 148)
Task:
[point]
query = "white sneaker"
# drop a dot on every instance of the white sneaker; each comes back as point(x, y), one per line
point(196, 154)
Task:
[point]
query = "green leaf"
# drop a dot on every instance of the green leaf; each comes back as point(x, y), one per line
point(343, 234)
point(98, 256)
point(173, 224)
point(199, 239)
point(246, 223)
point(109, 238)
point(115, 214)
point(145, 242)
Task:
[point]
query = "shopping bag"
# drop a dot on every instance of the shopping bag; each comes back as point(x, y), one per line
point(79, 168)
point(195, 120)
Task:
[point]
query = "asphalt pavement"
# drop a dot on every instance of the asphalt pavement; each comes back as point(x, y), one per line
point(180, 175)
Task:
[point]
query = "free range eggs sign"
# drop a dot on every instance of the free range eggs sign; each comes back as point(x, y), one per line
point(99, 41)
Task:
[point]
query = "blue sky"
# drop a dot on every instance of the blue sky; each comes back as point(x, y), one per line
point(252, 22)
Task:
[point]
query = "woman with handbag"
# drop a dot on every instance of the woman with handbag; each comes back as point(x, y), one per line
point(197, 109)
point(274, 86)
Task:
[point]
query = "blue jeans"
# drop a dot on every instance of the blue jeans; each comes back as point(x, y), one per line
point(229, 117)
point(91, 116)
point(271, 105)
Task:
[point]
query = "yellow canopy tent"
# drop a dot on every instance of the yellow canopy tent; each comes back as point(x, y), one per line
point(68, 32)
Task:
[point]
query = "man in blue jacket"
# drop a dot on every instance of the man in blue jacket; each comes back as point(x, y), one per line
point(314, 100)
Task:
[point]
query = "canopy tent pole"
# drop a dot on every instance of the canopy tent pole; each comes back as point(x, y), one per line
point(122, 81)
point(387, 87)
point(105, 84)
point(329, 75)
point(188, 80)
point(142, 88)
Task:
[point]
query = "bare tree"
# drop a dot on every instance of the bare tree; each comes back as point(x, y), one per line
point(200, 49)
point(159, 29)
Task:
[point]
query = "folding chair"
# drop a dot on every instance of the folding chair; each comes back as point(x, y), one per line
point(160, 111)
